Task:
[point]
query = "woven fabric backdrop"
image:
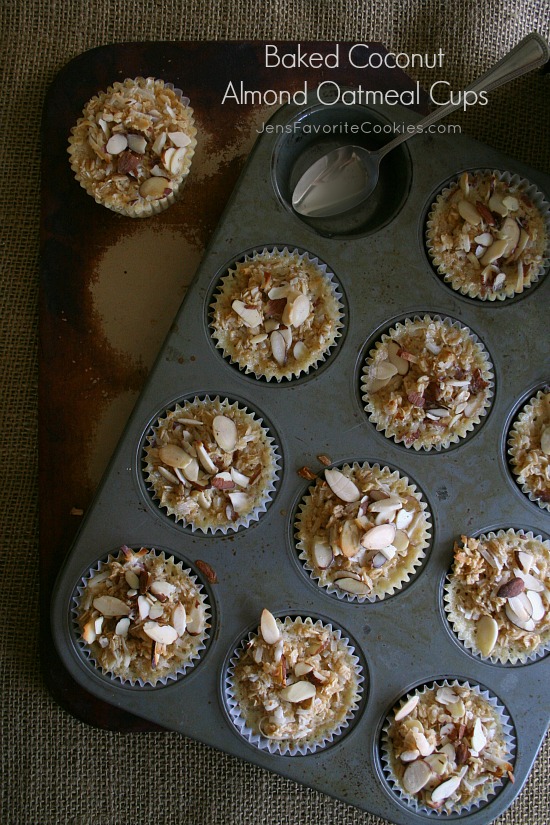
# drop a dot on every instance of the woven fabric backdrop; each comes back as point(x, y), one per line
point(56, 769)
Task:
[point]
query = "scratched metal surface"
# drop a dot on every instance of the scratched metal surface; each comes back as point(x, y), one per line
point(403, 640)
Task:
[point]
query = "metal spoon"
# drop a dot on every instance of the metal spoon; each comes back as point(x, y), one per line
point(345, 177)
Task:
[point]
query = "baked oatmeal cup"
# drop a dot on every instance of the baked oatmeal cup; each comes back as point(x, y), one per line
point(211, 464)
point(529, 449)
point(427, 382)
point(362, 531)
point(497, 597)
point(132, 148)
point(142, 618)
point(294, 686)
point(488, 234)
point(277, 314)
point(447, 747)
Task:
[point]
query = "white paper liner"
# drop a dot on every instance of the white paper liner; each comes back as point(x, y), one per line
point(336, 315)
point(287, 747)
point(407, 573)
point(523, 417)
point(465, 427)
point(509, 657)
point(142, 208)
point(269, 483)
point(490, 789)
point(199, 641)
point(472, 289)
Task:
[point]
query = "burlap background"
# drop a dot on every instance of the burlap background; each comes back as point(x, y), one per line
point(55, 769)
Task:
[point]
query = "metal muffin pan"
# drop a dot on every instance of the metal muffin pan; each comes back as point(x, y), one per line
point(404, 640)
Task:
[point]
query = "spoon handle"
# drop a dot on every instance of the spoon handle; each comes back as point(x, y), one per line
point(529, 54)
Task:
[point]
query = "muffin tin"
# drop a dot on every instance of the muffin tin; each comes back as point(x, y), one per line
point(379, 260)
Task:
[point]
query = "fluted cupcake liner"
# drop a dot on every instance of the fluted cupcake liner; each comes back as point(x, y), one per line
point(184, 653)
point(309, 344)
point(397, 576)
point(526, 447)
point(191, 505)
point(98, 169)
point(481, 793)
point(465, 626)
point(516, 283)
point(444, 435)
point(323, 735)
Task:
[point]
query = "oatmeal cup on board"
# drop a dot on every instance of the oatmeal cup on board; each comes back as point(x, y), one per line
point(488, 234)
point(294, 686)
point(529, 449)
point(277, 314)
point(362, 531)
point(132, 148)
point(447, 747)
point(142, 618)
point(211, 464)
point(427, 382)
point(497, 597)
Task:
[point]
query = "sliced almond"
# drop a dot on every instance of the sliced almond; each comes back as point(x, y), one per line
point(486, 634)
point(404, 518)
point(144, 606)
point(137, 143)
point(191, 470)
point(417, 775)
point(251, 317)
point(278, 347)
point(521, 606)
point(494, 252)
point(351, 585)
point(239, 478)
point(176, 163)
point(162, 589)
point(379, 537)
point(387, 504)
point(478, 739)
point(155, 187)
point(204, 458)
point(537, 605)
point(322, 554)
point(163, 634)
point(269, 628)
point(545, 440)
point(111, 606)
point(179, 139)
point(122, 627)
point(485, 239)
point(384, 370)
point(225, 432)
point(299, 310)
point(407, 708)
point(302, 669)
point(156, 610)
point(510, 232)
point(174, 456)
point(400, 541)
point(117, 144)
point(195, 621)
point(132, 580)
point(401, 364)
point(300, 350)
point(88, 632)
point(240, 502)
point(179, 619)
point(349, 539)
point(298, 692)
point(342, 486)
point(468, 211)
point(446, 789)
